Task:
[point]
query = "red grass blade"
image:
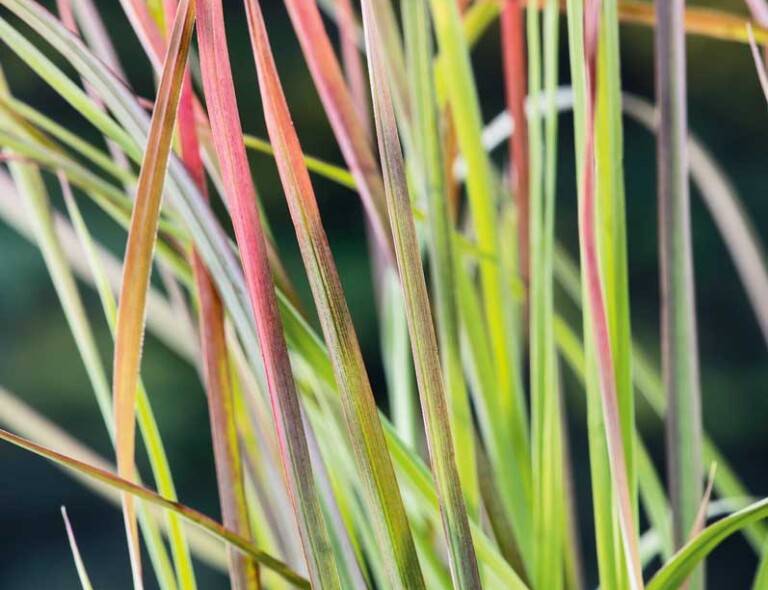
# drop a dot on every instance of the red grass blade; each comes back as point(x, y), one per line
point(513, 53)
point(361, 416)
point(244, 572)
point(340, 108)
point(138, 263)
point(241, 194)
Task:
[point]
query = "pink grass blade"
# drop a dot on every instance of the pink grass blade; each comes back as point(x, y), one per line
point(241, 194)
point(597, 309)
point(354, 69)
point(244, 572)
point(462, 560)
point(138, 263)
point(382, 494)
point(103, 476)
point(342, 114)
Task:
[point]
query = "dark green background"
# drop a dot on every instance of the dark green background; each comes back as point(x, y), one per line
point(39, 362)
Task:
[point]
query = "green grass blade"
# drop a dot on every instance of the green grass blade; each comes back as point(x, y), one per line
point(678, 319)
point(424, 344)
point(429, 159)
point(546, 444)
point(463, 99)
point(692, 554)
point(599, 322)
point(373, 463)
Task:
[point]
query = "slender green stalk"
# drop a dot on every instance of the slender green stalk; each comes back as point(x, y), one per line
point(678, 308)
point(464, 570)
point(515, 474)
point(429, 160)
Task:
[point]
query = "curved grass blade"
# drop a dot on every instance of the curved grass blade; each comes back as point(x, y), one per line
point(82, 573)
point(687, 559)
point(225, 125)
point(462, 560)
point(191, 515)
point(138, 263)
point(373, 463)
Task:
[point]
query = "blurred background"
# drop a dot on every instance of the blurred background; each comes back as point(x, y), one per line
point(39, 362)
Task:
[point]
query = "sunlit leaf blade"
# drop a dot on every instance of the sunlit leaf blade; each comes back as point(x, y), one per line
point(82, 573)
point(225, 124)
point(361, 416)
point(424, 345)
point(138, 262)
point(678, 308)
point(193, 516)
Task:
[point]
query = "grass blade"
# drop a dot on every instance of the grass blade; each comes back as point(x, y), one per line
point(759, 65)
point(244, 572)
point(138, 263)
point(597, 308)
point(428, 157)
point(225, 124)
point(678, 320)
point(515, 474)
point(82, 574)
point(688, 558)
point(428, 372)
point(361, 416)
point(193, 516)
point(513, 54)
point(339, 106)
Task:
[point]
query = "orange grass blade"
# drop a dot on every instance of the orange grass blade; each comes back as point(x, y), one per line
point(361, 416)
point(138, 264)
point(227, 138)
